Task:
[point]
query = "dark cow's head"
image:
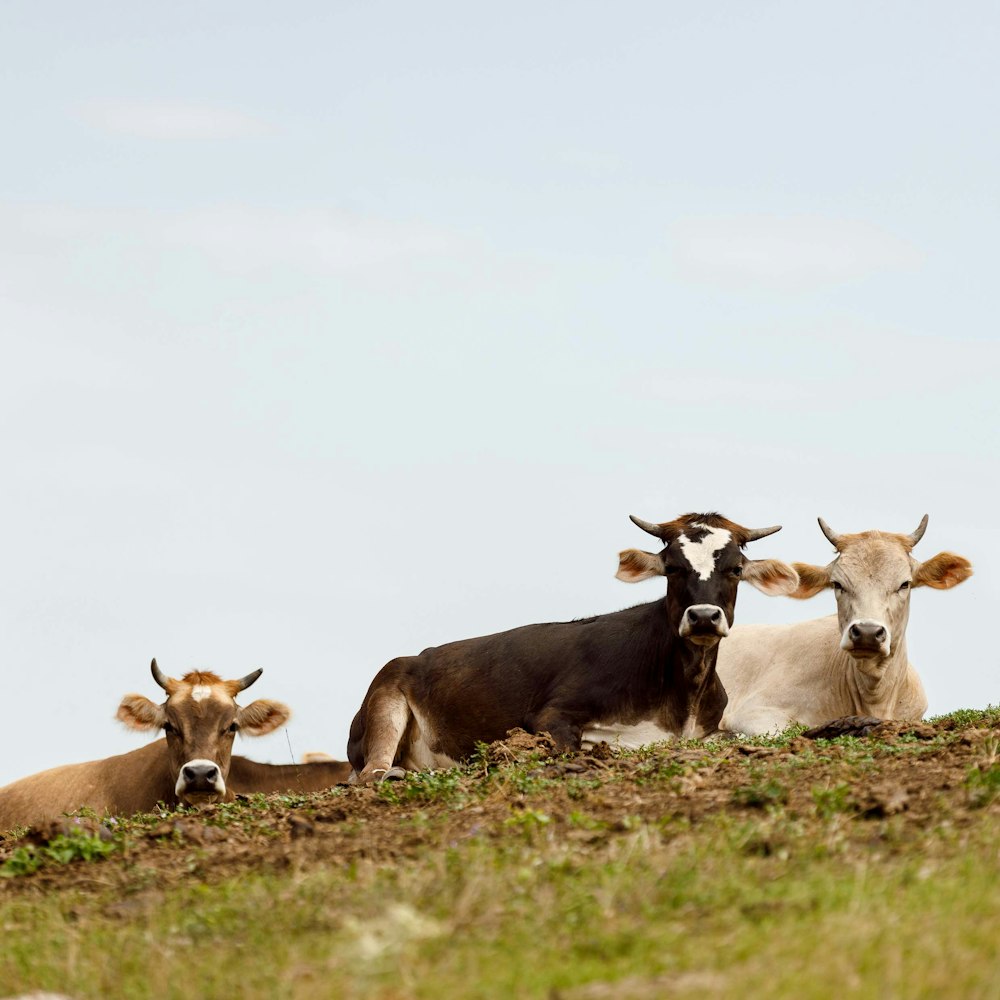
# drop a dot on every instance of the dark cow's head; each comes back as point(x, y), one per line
point(872, 577)
point(703, 562)
point(200, 719)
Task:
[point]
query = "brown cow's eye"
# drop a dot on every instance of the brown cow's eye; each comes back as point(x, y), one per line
point(167, 728)
point(233, 728)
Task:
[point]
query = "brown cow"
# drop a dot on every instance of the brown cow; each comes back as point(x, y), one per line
point(194, 764)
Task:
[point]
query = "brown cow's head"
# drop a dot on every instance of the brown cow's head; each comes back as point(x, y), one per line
point(872, 577)
point(200, 719)
point(703, 563)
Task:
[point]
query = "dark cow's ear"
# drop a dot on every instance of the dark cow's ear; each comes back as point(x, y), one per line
point(812, 579)
point(138, 712)
point(771, 576)
point(635, 565)
point(943, 571)
point(262, 716)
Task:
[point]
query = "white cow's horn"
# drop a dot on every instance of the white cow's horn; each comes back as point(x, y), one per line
point(831, 535)
point(653, 529)
point(919, 533)
point(754, 533)
point(244, 682)
point(160, 677)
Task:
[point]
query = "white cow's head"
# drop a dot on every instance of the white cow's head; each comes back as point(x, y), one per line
point(872, 577)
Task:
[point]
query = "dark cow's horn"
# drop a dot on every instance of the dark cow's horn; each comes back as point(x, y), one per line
point(831, 535)
point(919, 533)
point(653, 529)
point(161, 678)
point(754, 533)
point(244, 682)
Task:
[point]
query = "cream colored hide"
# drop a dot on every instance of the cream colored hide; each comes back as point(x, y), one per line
point(853, 663)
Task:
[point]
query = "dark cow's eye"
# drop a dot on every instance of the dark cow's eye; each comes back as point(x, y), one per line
point(167, 728)
point(905, 585)
point(671, 570)
point(837, 587)
point(737, 571)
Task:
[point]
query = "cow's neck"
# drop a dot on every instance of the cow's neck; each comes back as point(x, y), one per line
point(675, 665)
point(874, 685)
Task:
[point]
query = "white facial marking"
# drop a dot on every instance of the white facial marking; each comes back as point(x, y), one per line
point(701, 555)
point(200, 692)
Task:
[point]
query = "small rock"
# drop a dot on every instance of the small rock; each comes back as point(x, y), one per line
point(300, 827)
point(884, 800)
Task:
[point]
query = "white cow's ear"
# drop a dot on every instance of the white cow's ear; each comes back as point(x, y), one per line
point(138, 712)
point(943, 571)
point(635, 565)
point(262, 716)
point(812, 579)
point(770, 576)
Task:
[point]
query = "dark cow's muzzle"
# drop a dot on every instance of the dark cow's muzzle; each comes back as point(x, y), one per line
point(704, 624)
point(865, 639)
point(200, 781)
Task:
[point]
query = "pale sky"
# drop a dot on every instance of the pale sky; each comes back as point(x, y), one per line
point(333, 331)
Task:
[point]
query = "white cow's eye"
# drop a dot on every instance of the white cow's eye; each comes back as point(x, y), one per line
point(837, 586)
point(905, 585)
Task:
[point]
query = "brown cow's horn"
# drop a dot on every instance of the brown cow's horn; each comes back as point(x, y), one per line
point(244, 682)
point(919, 533)
point(754, 533)
point(653, 529)
point(831, 535)
point(160, 677)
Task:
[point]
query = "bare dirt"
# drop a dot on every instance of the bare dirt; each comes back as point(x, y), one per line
point(909, 775)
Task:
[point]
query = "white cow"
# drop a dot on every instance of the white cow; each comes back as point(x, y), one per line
point(851, 663)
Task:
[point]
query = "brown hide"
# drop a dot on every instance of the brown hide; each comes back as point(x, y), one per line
point(135, 782)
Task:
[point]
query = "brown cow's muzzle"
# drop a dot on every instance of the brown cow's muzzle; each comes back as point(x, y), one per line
point(704, 624)
point(199, 782)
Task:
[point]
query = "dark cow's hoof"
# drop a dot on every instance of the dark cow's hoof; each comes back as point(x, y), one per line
point(849, 725)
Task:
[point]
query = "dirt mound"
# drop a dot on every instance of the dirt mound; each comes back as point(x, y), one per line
point(906, 776)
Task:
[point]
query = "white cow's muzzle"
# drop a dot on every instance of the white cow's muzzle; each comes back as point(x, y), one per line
point(865, 639)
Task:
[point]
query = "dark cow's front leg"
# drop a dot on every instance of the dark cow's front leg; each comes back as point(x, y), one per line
point(565, 730)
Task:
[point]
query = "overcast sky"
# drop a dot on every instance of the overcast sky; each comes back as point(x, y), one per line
point(333, 331)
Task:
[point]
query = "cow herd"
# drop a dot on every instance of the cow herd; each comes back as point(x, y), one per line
point(676, 667)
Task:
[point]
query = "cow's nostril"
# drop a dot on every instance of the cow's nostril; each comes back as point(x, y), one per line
point(855, 632)
point(716, 616)
point(880, 635)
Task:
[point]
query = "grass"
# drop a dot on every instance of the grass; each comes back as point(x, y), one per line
point(525, 884)
point(644, 906)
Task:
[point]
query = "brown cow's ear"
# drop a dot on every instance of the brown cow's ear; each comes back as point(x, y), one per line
point(770, 576)
point(943, 571)
point(262, 717)
point(812, 579)
point(635, 565)
point(138, 712)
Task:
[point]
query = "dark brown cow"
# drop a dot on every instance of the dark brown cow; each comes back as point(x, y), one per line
point(650, 668)
point(194, 764)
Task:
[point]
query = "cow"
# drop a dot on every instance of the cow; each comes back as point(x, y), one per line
point(650, 668)
point(853, 663)
point(192, 765)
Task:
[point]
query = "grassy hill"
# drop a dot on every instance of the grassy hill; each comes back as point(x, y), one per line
point(789, 867)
